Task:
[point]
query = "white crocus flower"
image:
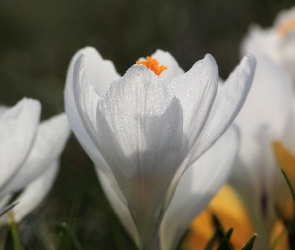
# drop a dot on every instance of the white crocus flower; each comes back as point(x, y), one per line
point(277, 42)
point(266, 117)
point(143, 131)
point(29, 154)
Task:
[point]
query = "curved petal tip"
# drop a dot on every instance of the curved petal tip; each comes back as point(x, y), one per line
point(248, 63)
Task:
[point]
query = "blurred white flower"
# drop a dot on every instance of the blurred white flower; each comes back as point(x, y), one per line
point(29, 154)
point(144, 130)
point(267, 117)
point(277, 42)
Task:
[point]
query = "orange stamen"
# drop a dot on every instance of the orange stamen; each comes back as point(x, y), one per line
point(153, 65)
point(285, 28)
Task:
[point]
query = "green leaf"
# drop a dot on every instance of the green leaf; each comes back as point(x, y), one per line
point(249, 245)
point(75, 209)
point(228, 233)
point(8, 241)
point(67, 239)
point(224, 244)
point(289, 184)
point(63, 241)
point(73, 239)
point(12, 240)
point(211, 242)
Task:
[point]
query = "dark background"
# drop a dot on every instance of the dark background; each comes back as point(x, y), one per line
point(37, 41)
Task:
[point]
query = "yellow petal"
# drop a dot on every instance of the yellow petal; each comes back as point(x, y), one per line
point(202, 229)
point(279, 237)
point(228, 209)
point(285, 159)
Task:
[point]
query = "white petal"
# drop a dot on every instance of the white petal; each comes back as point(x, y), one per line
point(260, 41)
point(235, 91)
point(268, 105)
point(139, 133)
point(141, 100)
point(72, 111)
point(49, 143)
point(3, 109)
point(262, 120)
point(255, 184)
point(141, 120)
point(120, 209)
point(284, 16)
point(289, 131)
point(4, 200)
point(286, 50)
point(197, 186)
point(34, 193)
point(100, 72)
point(86, 100)
point(18, 126)
point(173, 70)
point(196, 91)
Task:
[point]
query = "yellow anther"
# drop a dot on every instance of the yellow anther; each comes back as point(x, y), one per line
point(153, 65)
point(285, 28)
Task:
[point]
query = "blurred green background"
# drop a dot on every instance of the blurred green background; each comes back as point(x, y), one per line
point(37, 41)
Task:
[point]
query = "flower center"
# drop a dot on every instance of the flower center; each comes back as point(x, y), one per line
point(153, 65)
point(286, 27)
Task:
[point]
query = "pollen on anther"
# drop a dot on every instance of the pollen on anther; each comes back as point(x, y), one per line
point(285, 28)
point(153, 65)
